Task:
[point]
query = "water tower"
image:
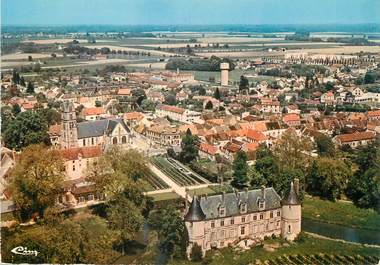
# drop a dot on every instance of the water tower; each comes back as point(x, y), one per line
point(224, 68)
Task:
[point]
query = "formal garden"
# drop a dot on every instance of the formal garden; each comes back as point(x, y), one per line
point(176, 171)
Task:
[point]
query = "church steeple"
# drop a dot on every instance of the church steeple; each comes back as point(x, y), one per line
point(69, 136)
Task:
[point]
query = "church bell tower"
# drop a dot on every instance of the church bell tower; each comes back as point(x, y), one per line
point(69, 137)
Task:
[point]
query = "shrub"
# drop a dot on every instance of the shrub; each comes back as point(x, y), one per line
point(196, 253)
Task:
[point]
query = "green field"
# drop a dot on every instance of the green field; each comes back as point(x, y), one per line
point(164, 196)
point(341, 213)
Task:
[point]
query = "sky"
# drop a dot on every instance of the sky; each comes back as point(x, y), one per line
point(188, 12)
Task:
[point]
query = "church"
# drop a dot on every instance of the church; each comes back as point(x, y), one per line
point(91, 133)
point(243, 218)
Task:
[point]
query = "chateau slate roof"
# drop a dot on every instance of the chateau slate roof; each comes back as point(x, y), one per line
point(98, 128)
point(195, 212)
point(292, 197)
point(232, 201)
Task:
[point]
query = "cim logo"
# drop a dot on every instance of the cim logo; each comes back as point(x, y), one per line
point(24, 251)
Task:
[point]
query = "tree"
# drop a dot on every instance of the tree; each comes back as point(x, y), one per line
point(171, 230)
point(68, 242)
point(170, 99)
point(370, 77)
point(293, 151)
point(201, 91)
point(209, 105)
point(30, 88)
point(148, 105)
point(37, 179)
point(325, 146)
point(189, 147)
point(243, 84)
point(26, 129)
point(240, 168)
point(196, 253)
point(364, 186)
point(217, 94)
point(15, 77)
point(16, 109)
point(328, 178)
point(124, 216)
point(22, 82)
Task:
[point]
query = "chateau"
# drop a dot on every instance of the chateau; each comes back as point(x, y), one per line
point(243, 218)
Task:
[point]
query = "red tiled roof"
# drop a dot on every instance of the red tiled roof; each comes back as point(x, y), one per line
point(93, 111)
point(133, 115)
point(84, 152)
point(291, 117)
point(207, 148)
point(172, 109)
point(356, 136)
point(255, 135)
point(374, 113)
point(124, 92)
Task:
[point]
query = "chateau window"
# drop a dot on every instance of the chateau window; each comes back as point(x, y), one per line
point(255, 217)
point(242, 230)
point(261, 216)
point(271, 214)
point(212, 224)
point(243, 219)
point(221, 222)
point(232, 221)
point(92, 141)
point(84, 142)
point(73, 167)
point(90, 197)
point(232, 233)
point(278, 213)
point(289, 229)
point(243, 208)
point(261, 205)
point(222, 243)
point(222, 211)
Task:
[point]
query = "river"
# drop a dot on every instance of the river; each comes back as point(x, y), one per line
point(356, 235)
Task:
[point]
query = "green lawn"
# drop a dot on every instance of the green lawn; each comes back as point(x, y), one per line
point(164, 196)
point(307, 245)
point(341, 213)
point(201, 191)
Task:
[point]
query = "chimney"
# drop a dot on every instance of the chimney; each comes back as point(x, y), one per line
point(263, 191)
point(223, 197)
point(246, 193)
point(296, 185)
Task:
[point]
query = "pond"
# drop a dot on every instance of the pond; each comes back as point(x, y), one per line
point(357, 235)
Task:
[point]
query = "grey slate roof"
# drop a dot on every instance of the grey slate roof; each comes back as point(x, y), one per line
point(292, 197)
point(195, 212)
point(232, 201)
point(98, 128)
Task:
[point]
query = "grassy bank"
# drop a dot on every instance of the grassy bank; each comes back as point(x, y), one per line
point(340, 213)
point(307, 248)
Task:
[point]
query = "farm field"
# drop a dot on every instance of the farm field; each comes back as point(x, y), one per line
point(177, 172)
point(123, 48)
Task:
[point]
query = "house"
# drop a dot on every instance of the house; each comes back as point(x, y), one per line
point(155, 96)
point(355, 139)
point(177, 114)
point(207, 151)
point(54, 133)
point(78, 159)
point(133, 118)
point(242, 218)
point(92, 114)
point(164, 136)
point(328, 98)
point(291, 119)
point(373, 115)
